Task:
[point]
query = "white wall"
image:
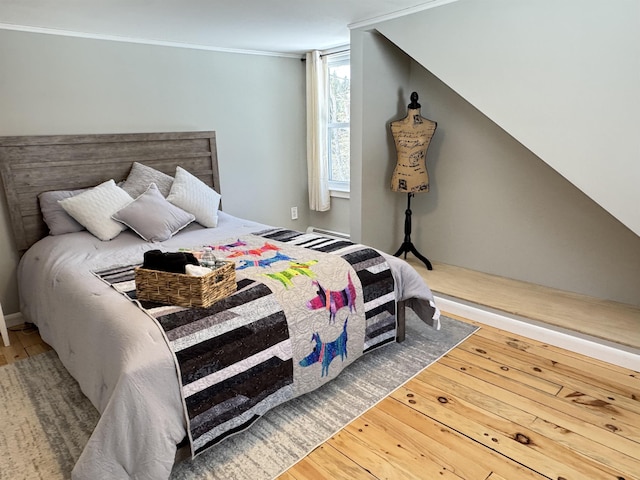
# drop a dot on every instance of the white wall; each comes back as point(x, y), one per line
point(494, 206)
point(62, 85)
point(561, 76)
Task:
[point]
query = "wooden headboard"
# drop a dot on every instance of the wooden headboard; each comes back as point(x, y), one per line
point(31, 165)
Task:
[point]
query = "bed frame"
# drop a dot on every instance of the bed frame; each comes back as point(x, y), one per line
point(31, 165)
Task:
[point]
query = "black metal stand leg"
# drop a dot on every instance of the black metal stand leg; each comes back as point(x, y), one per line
point(407, 246)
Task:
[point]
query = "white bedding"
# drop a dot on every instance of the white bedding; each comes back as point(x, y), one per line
point(118, 354)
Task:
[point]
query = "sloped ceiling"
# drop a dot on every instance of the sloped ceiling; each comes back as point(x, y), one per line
point(563, 78)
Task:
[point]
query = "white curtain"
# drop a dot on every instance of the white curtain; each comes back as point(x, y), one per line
point(317, 158)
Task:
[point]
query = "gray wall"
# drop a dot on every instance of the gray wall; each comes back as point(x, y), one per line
point(62, 85)
point(561, 76)
point(493, 206)
point(379, 73)
point(336, 218)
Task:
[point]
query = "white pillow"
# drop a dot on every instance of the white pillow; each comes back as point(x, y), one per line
point(93, 209)
point(152, 217)
point(196, 197)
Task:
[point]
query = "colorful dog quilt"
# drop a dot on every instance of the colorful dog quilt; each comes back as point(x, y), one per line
point(306, 306)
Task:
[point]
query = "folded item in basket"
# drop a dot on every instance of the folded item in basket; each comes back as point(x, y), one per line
point(174, 262)
point(197, 271)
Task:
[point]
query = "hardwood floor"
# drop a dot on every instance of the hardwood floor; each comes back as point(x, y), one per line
point(497, 407)
point(23, 343)
point(612, 321)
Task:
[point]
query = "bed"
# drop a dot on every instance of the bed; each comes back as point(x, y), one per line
point(127, 356)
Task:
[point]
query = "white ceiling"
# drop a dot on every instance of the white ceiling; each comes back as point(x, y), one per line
point(278, 26)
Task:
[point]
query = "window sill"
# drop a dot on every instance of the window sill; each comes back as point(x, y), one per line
point(340, 193)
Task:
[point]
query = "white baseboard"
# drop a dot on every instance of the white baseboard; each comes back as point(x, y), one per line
point(14, 319)
point(600, 349)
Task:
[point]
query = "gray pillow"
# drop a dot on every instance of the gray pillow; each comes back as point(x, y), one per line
point(152, 217)
point(56, 218)
point(141, 176)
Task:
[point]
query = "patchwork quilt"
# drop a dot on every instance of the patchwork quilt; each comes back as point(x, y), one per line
point(306, 306)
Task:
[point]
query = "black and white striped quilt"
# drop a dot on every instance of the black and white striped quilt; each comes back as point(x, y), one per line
point(306, 306)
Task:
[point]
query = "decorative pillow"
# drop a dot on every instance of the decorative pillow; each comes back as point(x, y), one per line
point(152, 217)
point(94, 208)
point(141, 176)
point(196, 197)
point(54, 216)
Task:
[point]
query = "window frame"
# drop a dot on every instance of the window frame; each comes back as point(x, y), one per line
point(338, 188)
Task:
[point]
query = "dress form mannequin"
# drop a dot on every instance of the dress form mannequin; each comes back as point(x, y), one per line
point(412, 136)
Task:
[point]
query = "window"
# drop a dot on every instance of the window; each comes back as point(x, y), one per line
point(338, 130)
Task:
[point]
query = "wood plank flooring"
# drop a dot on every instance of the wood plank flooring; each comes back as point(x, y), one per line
point(497, 407)
point(612, 321)
point(23, 343)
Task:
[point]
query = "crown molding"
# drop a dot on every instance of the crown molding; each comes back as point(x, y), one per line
point(142, 41)
point(400, 13)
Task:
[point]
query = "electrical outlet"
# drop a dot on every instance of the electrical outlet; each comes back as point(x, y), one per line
point(294, 213)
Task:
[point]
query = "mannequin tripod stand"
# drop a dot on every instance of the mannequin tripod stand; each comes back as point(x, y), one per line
point(408, 246)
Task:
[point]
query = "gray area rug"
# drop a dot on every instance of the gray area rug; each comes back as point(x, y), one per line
point(46, 420)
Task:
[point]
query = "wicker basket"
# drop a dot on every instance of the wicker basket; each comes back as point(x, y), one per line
point(186, 290)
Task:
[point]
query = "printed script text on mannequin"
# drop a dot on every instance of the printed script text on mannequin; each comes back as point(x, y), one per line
point(412, 136)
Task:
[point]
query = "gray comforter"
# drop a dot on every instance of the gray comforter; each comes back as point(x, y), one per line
point(118, 354)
